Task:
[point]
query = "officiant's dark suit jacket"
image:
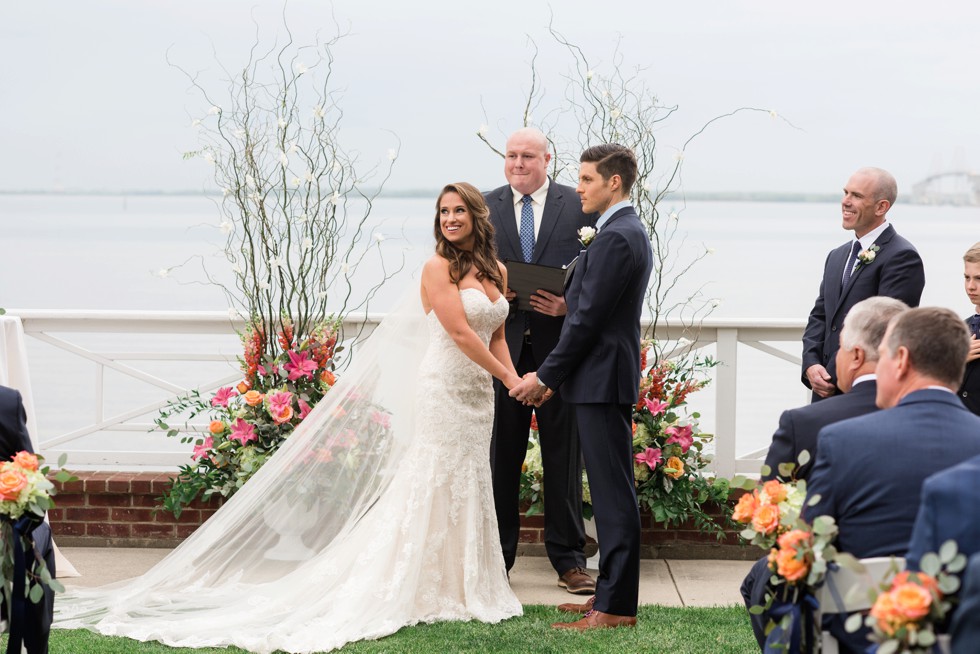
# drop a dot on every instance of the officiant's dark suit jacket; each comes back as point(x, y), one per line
point(870, 471)
point(798, 428)
point(14, 438)
point(556, 245)
point(596, 365)
point(895, 272)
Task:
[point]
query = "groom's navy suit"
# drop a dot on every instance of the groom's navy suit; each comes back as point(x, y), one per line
point(895, 272)
point(950, 509)
point(13, 439)
point(870, 470)
point(596, 364)
point(531, 336)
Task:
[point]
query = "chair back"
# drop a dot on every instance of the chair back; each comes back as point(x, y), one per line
point(846, 591)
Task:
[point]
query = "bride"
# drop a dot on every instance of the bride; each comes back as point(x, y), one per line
point(377, 513)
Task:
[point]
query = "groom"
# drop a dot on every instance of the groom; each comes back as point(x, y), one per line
point(597, 365)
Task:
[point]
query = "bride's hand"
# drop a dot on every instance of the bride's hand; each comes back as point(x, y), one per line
point(511, 381)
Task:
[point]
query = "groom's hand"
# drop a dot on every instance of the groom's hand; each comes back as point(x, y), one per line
point(529, 391)
point(550, 305)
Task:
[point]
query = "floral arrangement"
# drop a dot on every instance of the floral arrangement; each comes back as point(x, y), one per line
point(910, 606)
point(586, 235)
point(247, 423)
point(25, 496)
point(668, 444)
point(867, 256)
point(532, 478)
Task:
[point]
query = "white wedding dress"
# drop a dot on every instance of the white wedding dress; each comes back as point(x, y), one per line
point(332, 542)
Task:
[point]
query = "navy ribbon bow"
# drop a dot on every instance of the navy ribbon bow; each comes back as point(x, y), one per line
point(801, 622)
point(18, 597)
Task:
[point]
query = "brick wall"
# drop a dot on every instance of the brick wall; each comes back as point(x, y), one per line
point(120, 509)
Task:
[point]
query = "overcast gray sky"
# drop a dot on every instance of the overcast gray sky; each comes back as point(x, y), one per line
point(88, 100)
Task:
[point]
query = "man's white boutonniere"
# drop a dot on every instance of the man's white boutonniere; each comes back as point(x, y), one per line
point(867, 256)
point(586, 235)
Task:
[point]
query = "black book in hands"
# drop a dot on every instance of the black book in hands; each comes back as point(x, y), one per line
point(526, 279)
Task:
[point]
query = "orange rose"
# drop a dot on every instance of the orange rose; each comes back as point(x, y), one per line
point(790, 566)
point(886, 613)
point(253, 398)
point(677, 465)
point(283, 416)
point(766, 519)
point(12, 482)
point(216, 427)
point(26, 460)
point(912, 601)
point(921, 578)
point(634, 429)
point(328, 378)
point(746, 507)
point(242, 387)
point(775, 491)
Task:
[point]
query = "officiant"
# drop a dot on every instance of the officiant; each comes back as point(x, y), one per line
point(537, 220)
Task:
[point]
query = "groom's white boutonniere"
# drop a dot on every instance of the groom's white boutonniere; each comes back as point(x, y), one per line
point(586, 235)
point(867, 256)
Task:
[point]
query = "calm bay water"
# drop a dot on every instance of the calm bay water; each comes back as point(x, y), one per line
point(105, 252)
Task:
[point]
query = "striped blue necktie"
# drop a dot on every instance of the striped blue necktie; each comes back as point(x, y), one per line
point(527, 228)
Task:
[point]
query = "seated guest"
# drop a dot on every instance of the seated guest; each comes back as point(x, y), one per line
point(860, 336)
point(14, 438)
point(948, 511)
point(869, 470)
point(965, 628)
point(970, 388)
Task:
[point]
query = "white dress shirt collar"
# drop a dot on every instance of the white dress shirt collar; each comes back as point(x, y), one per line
point(608, 213)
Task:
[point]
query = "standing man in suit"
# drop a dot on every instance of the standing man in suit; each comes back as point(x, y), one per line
point(537, 220)
point(870, 470)
point(965, 628)
point(877, 262)
point(948, 510)
point(970, 388)
point(13, 439)
point(855, 360)
point(596, 364)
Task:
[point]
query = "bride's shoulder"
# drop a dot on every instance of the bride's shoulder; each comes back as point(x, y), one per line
point(436, 265)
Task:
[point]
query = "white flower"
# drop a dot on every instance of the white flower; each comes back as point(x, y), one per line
point(237, 269)
point(378, 236)
point(586, 234)
point(214, 110)
point(226, 227)
point(710, 250)
point(304, 218)
point(249, 180)
point(283, 159)
point(309, 176)
point(773, 114)
point(335, 198)
point(679, 156)
point(225, 191)
point(673, 215)
point(483, 130)
point(209, 157)
point(195, 122)
point(233, 313)
point(301, 68)
point(239, 133)
point(337, 166)
point(589, 74)
point(715, 303)
point(345, 267)
point(646, 186)
point(615, 113)
point(282, 123)
point(392, 154)
point(322, 295)
point(297, 181)
point(264, 286)
point(605, 93)
point(307, 244)
point(318, 111)
point(163, 273)
point(293, 147)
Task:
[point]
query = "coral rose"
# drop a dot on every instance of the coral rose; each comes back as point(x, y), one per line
point(253, 398)
point(921, 578)
point(912, 601)
point(328, 378)
point(12, 482)
point(242, 387)
point(285, 414)
point(216, 427)
point(26, 460)
point(775, 491)
point(886, 613)
point(746, 508)
point(766, 519)
point(677, 465)
point(791, 567)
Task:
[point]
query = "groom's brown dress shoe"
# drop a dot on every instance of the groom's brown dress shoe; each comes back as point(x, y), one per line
point(597, 620)
point(577, 582)
point(578, 608)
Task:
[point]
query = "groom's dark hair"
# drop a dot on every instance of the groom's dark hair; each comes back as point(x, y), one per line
point(613, 159)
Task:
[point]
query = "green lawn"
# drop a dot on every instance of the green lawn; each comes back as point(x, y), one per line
point(660, 629)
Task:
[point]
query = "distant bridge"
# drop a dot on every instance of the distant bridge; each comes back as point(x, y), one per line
point(959, 187)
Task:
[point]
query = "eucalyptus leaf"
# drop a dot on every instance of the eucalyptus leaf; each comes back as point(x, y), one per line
point(949, 584)
point(957, 564)
point(927, 638)
point(813, 500)
point(37, 593)
point(888, 647)
point(62, 460)
point(803, 458)
point(947, 551)
point(765, 471)
point(786, 469)
point(853, 622)
point(930, 564)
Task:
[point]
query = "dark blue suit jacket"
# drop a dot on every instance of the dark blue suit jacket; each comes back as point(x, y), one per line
point(896, 272)
point(970, 388)
point(597, 359)
point(556, 245)
point(798, 428)
point(965, 628)
point(13, 424)
point(950, 508)
point(870, 470)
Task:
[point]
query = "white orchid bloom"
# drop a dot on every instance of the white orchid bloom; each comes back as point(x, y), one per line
point(710, 250)
point(483, 130)
point(679, 156)
point(195, 122)
point(301, 68)
point(673, 215)
point(214, 110)
point(264, 286)
point(589, 74)
point(304, 218)
point(208, 157)
point(249, 181)
point(225, 191)
point(297, 181)
point(615, 113)
point(282, 123)
point(345, 267)
point(283, 159)
point(715, 303)
point(378, 236)
point(307, 244)
point(335, 198)
point(773, 114)
point(318, 111)
point(392, 154)
point(226, 227)
point(309, 176)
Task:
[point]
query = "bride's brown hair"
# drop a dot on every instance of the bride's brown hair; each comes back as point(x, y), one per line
point(484, 253)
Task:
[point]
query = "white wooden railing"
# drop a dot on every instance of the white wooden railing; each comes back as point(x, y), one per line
point(743, 403)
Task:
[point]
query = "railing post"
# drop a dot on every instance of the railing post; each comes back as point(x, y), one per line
point(725, 405)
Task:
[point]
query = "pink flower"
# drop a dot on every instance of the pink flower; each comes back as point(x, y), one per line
point(682, 436)
point(655, 407)
point(262, 371)
point(243, 432)
point(202, 449)
point(383, 419)
point(346, 438)
point(304, 408)
point(651, 457)
point(222, 395)
point(300, 365)
point(279, 401)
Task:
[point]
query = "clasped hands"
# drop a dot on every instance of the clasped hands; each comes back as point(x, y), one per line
point(530, 392)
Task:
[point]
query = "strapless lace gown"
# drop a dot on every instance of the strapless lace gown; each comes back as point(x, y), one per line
point(427, 550)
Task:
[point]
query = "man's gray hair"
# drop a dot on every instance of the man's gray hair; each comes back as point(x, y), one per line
point(866, 322)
